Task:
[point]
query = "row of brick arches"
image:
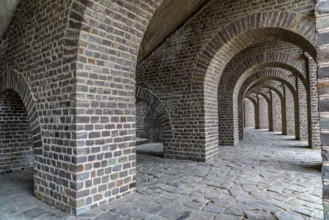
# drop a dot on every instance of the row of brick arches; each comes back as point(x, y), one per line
point(72, 84)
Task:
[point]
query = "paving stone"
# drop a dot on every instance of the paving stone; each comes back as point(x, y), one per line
point(156, 218)
point(279, 184)
point(249, 188)
point(112, 216)
point(212, 207)
point(153, 208)
point(233, 211)
point(194, 205)
point(33, 213)
point(227, 217)
point(93, 213)
point(174, 214)
point(52, 216)
point(287, 216)
point(259, 214)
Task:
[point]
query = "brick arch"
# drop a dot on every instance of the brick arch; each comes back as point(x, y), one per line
point(260, 61)
point(238, 35)
point(19, 89)
point(18, 84)
point(276, 86)
point(285, 125)
point(263, 93)
point(290, 82)
point(262, 77)
point(254, 104)
point(146, 95)
point(228, 104)
point(273, 86)
point(106, 49)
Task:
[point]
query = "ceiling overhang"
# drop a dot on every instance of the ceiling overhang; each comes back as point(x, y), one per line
point(7, 10)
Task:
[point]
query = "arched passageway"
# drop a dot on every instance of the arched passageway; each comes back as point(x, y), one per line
point(16, 141)
point(84, 63)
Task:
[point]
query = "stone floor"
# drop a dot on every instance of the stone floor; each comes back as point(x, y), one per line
point(268, 176)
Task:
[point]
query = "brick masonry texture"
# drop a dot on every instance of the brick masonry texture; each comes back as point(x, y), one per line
point(15, 136)
point(322, 15)
point(249, 114)
point(277, 112)
point(147, 123)
point(73, 64)
point(263, 112)
point(70, 58)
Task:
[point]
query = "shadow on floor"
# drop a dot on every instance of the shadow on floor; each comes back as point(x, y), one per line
point(150, 149)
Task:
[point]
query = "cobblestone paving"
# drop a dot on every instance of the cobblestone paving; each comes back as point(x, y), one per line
point(18, 203)
point(268, 176)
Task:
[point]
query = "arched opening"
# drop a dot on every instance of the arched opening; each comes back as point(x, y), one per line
point(249, 113)
point(226, 44)
point(149, 137)
point(153, 124)
point(263, 111)
point(288, 97)
point(16, 140)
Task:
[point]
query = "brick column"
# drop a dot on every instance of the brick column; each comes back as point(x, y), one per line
point(302, 106)
point(270, 112)
point(295, 103)
point(312, 102)
point(257, 118)
point(263, 112)
point(249, 114)
point(276, 112)
point(284, 112)
point(290, 112)
point(322, 43)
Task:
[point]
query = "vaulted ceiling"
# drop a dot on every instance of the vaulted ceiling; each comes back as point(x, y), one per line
point(168, 18)
point(7, 9)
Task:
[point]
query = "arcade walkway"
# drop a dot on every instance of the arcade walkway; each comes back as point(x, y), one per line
point(268, 176)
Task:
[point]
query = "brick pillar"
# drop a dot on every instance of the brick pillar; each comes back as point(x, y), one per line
point(276, 112)
point(302, 106)
point(290, 112)
point(270, 112)
point(249, 114)
point(322, 43)
point(257, 118)
point(263, 112)
point(295, 101)
point(284, 112)
point(312, 102)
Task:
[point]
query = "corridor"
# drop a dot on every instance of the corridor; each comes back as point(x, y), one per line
point(268, 176)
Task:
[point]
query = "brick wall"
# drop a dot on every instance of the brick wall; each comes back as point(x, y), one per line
point(249, 114)
point(169, 68)
point(15, 135)
point(80, 70)
point(110, 34)
point(141, 112)
point(148, 124)
point(277, 112)
point(79, 62)
point(290, 112)
point(322, 16)
point(263, 112)
point(33, 49)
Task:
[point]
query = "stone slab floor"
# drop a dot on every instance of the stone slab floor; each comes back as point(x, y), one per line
point(268, 176)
